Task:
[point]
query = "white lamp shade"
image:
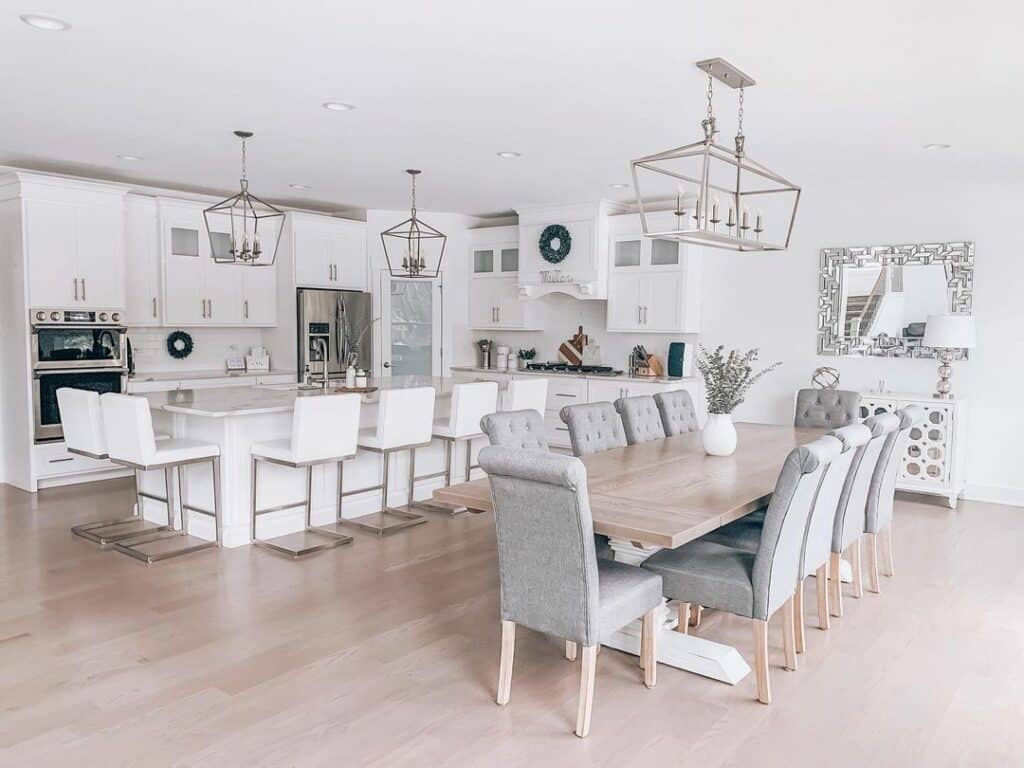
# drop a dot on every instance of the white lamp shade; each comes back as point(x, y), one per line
point(949, 332)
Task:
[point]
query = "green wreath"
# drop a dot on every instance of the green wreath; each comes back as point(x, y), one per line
point(559, 233)
point(179, 345)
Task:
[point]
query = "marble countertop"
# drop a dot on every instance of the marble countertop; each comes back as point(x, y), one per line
point(272, 398)
point(218, 373)
point(593, 376)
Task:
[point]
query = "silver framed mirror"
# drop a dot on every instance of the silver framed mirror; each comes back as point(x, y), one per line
point(873, 301)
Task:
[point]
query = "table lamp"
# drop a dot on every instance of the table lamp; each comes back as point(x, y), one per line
point(946, 333)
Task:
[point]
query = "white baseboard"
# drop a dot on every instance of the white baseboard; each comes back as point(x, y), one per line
point(995, 494)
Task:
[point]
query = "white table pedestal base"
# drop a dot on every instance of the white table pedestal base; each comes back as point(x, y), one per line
point(689, 652)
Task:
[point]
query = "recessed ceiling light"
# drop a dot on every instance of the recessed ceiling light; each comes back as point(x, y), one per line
point(618, 186)
point(129, 158)
point(337, 106)
point(45, 23)
point(931, 147)
point(509, 155)
point(300, 186)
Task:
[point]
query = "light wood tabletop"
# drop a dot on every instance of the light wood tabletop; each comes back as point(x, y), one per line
point(667, 492)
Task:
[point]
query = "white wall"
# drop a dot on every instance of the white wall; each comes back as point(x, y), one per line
point(211, 346)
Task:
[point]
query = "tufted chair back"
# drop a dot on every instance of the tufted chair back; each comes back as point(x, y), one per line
point(515, 429)
point(678, 416)
point(593, 427)
point(826, 408)
point(641, 420)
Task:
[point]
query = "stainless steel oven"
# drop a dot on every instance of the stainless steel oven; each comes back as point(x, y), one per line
point(84, 349)
point(75, 338)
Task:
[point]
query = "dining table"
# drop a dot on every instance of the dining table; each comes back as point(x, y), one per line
point(665, 493)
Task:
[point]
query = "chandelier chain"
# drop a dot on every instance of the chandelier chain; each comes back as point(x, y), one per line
point(243, 162)
point(711, 94)
point(740, 115)
point(414, 196)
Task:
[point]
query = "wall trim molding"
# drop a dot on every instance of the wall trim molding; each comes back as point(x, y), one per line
point(995, 494)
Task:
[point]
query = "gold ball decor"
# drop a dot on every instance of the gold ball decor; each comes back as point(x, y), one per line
point(825, 378)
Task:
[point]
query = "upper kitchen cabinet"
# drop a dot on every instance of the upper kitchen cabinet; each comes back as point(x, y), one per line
point(144, 300)
point(199, 291)
point(494, 299)
point(653, 285)
point(576, 265)
point(74, 242)
point(329, 252)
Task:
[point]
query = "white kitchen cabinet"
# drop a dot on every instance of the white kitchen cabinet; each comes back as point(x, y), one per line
point(75, 249)
point(494, 300)
point(143, 300)
point(329, 252)
point(199, 291)
point(653, 285)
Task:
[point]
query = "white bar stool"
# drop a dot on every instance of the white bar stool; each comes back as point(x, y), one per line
point(404, 421)
point(128, 427)
point(527, 394)
point(470, 403)
point(324, 431)
point(82, 421)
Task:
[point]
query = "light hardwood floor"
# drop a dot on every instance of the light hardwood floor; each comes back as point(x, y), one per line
point(386, 653)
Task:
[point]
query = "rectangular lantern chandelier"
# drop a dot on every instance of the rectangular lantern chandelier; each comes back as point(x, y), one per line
point(723, 198)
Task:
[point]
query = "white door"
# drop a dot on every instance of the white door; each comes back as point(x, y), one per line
point(185, 253)
point(348, 255)
point(624, 300)
point(100, 256)
point(259, 296)
point(663, 302)
point(311, 245)
point(412, 318)
point(484, 298)
point(51, 241)
point(142, 261)
point(511, 311)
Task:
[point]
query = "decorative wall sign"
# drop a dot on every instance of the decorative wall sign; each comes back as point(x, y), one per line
point(179, 345)
point(956, 259)
point(555, 243)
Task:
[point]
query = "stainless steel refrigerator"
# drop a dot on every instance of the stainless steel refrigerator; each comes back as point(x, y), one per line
point(338, 322)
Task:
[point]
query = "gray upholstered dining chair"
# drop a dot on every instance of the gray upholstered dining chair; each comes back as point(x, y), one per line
point(754, 585)
point(641, 420)
point(848, 529)
point(594, 427)
point(826, 408)
point(551, 580)
point(515, 429)
point(881, 495)
point(678, 416)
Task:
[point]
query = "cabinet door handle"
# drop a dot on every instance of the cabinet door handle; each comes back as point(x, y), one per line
point(245, 304)
point(639, 315)
point(202, 306)
point(83, 289)
point(209, 303)
point(498, 310)
point(75, 281)
point(154, 306)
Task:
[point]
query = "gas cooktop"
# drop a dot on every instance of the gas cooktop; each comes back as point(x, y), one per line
point(555, 367)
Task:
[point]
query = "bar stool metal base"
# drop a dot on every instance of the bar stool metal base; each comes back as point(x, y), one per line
point(388, 519)
point(135, 547)
point(446, 473)
point(311, 538)
point(107, 532)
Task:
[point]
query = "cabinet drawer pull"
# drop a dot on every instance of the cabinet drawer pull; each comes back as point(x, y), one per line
point(60, 461)
point(561, 429)
point(564, 394)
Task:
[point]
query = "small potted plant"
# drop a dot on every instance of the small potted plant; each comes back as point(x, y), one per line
point(525, 356)
point(727, 378)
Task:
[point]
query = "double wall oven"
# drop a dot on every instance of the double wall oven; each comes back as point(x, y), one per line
point(84, 349)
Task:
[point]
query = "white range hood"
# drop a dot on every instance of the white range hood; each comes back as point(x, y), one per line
point(583, 273)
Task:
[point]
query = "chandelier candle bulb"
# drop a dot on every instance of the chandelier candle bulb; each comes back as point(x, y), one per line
point(746, 216)
point(730, 222)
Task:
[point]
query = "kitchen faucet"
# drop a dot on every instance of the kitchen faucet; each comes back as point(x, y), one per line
point(322, 348)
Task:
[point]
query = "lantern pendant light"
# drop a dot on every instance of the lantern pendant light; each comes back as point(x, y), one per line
point(737, 203)
point(244, 229)
point(413, 248)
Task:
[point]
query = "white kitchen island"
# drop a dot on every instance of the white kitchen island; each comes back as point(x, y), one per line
point(237, 417)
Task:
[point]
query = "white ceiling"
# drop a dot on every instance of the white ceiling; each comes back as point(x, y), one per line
point(845, 89)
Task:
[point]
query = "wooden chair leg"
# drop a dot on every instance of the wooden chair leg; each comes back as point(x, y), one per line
point(858, 571)
point(696, 612)
point(887, 559)
point(508, 652)
point(764, 688)
point(649, 644)
point(587, 671)
point(684, 619)
point(570, 650)
point(821, 583)
point(837, 584)
point(798, 617)
point(871, 542)
point(789, 632)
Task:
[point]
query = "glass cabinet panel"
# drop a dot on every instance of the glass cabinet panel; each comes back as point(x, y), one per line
point(664, 252)
point(627, 253)
point(483, 261)
point(509, 259)
point(412, 331)
point(184, 241)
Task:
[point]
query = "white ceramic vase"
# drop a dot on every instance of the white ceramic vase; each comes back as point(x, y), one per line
point(719, 435)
